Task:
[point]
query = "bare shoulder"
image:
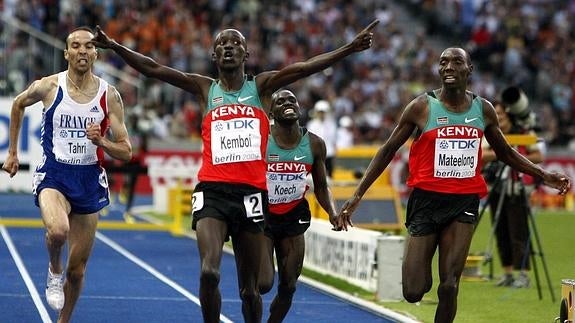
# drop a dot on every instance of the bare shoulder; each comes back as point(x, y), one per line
point(315, 139)
point(43, 89)
point(417, 109)
point(316, 143)
point(262, 82)
point(115, 103)
point(45, 85)
point(489, 114)
point(201, 80)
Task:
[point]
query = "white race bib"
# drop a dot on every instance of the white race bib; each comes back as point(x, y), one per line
point(456, 158)
point(254, 205)
point(236, 140)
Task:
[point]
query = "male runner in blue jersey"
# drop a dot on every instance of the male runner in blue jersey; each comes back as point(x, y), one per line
point(70, 185)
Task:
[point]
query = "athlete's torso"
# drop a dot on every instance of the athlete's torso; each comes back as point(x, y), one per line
point(446, 157)
point(235, 132)
point(287, 172)
point(64, 123)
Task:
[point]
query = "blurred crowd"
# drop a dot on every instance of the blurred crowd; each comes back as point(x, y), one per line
point(526, 43)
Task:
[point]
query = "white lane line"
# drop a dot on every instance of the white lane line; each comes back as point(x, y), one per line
point(25, 276)
point(153, 271)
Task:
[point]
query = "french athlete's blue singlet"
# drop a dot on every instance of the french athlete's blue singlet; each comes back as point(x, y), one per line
point(71, 163)
point(64, 125)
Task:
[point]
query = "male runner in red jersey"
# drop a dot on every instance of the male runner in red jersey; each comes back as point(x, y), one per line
point(445, 174)
point(231, 198)
point(293, 154)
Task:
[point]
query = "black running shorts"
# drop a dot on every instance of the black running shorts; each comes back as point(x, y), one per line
point(241, 206)
point(292, 223)
point(429, 212)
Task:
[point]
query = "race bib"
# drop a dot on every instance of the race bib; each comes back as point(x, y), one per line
point(456, 158)
point(286, 187)
point(254, 205)
point(197, 201)
point(236, 140)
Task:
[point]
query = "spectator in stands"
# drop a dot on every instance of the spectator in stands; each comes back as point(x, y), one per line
point(445, 174)
point(297, 152)
point(544, 28)
point(231, 197)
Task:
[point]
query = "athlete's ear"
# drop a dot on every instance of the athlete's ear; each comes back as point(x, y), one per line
point(66, 54)
point(213, 56)
point(246, 56)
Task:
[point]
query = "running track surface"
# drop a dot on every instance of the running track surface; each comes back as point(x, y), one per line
point(139, 276)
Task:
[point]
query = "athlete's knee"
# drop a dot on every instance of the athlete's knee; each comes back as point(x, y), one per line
point(75, 273)
point(249, 294)
point(265, 285)
point(448, 288)
point(210, 276)
point(56, 237)
point(287, 289)
point(412, 296)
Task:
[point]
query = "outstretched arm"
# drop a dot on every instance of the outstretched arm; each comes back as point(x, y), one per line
point(269, 82)
point(408, 122)
point(193, 83)
point(511, 157)
point(36, 92)
point(119, 147)
point(319, 174)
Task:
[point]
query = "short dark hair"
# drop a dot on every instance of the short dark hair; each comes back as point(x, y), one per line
point(85, 28)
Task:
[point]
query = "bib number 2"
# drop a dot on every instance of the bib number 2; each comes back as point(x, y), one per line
point(197, 201)
point(254, 206)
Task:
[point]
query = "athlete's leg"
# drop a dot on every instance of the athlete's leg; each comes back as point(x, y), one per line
point(55, 209)
point(290, 253)
point(454, 245)
point(267, 270)
point(210, 235)
point(249, 254)
point(416, 267)
point(81, 240)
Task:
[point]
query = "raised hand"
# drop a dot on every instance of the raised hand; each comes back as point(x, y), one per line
point(364, 39)
point(100, 39)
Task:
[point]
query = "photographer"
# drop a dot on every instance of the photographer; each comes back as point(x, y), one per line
point(511, 223)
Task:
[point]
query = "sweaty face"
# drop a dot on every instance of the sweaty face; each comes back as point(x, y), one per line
point(230, 49)
point(81, 52)
point(454, 67)
point(284, 107)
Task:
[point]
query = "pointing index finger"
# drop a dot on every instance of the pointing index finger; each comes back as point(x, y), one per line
point(372, 25)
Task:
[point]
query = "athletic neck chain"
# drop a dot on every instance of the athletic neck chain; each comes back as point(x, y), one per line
point(76, 86)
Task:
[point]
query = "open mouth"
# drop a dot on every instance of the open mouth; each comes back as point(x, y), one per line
point(228, 56)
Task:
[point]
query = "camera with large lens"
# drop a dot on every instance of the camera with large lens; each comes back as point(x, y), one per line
point(517, 105)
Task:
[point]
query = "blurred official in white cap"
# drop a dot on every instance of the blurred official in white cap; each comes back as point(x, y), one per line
point(344, 133)
point(324, 125)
